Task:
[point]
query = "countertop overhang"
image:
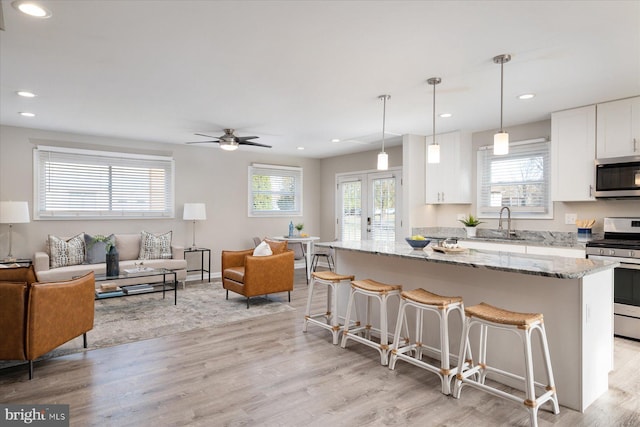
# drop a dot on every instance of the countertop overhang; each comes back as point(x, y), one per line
point(538, 265)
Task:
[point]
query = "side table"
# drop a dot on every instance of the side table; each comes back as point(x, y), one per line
point(201, 269)
point(22, 262)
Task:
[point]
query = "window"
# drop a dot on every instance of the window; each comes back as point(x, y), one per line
point(275, 190)
point(519, 180)
point(73, 183)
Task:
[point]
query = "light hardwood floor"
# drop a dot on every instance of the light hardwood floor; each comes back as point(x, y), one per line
point(266, 371)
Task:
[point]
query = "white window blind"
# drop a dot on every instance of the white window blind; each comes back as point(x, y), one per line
point(519, 180)
point(275, 190)
point(351, 215)
point(73, 183)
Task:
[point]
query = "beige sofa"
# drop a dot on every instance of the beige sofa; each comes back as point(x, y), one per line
point(128, 246)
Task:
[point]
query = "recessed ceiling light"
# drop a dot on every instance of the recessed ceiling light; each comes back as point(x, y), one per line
point(31, 8)
point(26, 114)
point(26, 94)
point(446, 115)
point(300, 148)
point(335, 140)
point(526, 96)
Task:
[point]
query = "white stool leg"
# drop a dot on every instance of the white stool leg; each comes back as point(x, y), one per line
point(464, 343)
point(396, 335)
point(384, 332)
point(444, 351)
point(343, 344)
point(335, 321)
point(547, 362)
point(307, 313)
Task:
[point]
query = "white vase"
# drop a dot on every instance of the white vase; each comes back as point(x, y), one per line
point(471, 231)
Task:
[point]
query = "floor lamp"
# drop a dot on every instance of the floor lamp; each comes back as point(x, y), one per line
point(13, 213)
point(194, 212)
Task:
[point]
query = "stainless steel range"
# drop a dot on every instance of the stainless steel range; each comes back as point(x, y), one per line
point(622, 243)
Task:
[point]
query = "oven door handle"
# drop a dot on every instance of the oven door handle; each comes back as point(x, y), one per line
point(623, 264)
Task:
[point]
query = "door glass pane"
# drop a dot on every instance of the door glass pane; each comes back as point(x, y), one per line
point(383, 222)
point(351, 222)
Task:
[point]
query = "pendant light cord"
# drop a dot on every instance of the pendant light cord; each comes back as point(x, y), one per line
point(434, 114)
point(501, 92)
point(384, 113)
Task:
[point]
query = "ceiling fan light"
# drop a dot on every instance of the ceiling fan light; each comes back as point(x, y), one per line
point(383, 161)
point(433, 153)
point(228, 146)
point(501, 143)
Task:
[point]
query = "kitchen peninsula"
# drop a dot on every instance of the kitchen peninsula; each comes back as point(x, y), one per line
point(574, 295)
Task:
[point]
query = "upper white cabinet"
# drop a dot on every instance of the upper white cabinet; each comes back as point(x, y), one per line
point(449, 182)
point(573, 151)
point(619, 128)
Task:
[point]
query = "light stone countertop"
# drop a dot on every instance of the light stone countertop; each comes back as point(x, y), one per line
point(538, 265)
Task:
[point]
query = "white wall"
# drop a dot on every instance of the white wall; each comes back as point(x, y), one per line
point(203, 174)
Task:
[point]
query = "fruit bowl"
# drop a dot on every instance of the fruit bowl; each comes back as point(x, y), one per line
point(417, 244)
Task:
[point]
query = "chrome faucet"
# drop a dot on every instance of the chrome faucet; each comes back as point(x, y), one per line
point(510, 232)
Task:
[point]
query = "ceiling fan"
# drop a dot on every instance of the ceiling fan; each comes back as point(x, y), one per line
point(229, 141)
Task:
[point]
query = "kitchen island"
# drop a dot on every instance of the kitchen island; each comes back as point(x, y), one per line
point(574, 295)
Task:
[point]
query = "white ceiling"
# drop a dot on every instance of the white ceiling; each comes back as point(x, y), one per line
point(301, 73)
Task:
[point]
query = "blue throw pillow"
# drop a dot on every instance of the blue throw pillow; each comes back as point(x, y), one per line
point(96, 247)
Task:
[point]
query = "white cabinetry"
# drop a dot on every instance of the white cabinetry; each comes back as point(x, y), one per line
point(449, 182)
point(619, 128)
point(573, 150)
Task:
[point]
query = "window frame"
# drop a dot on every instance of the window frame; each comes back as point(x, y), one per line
point(298, 193)
point(109, 159)
point(523, 212)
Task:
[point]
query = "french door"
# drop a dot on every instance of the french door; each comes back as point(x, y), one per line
point(368, 206)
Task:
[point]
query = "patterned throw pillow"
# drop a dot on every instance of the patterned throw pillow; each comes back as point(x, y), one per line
point(66, 252)
point(96, 248)
point(155, 247)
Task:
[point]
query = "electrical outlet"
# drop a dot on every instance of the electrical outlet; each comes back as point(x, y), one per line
point(461, 216)
point(570, 218)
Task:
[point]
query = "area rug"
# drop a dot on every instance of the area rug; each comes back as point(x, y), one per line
point(140, 317)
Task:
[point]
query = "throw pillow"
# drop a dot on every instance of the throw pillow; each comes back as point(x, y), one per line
point(276, 246)
point(263, 249)
point(155, 246)
point(96, 247)
point(66, 252)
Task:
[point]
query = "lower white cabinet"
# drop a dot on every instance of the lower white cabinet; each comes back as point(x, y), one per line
point(573, 153)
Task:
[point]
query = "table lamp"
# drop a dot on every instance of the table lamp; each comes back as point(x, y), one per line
point(13, 213)
point(194, 212)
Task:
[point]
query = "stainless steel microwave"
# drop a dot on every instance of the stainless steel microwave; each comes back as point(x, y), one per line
point(618, 177)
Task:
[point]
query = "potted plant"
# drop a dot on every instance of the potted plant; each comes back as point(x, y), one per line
point(299, 227)
point(470, 224)
point(111, 254)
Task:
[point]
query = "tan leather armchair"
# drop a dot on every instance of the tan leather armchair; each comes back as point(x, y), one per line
point(35, 318)
point(250, 275)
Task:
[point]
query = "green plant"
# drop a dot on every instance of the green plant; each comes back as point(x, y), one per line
point(299, 227)
point(470, 221)
point(101, 238)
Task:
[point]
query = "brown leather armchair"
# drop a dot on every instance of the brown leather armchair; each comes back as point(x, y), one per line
point(37, 317)
point(250, 275)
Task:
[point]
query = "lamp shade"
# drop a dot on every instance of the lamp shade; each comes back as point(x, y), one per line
point(501, 143)
point(383, 161)
point(194, 211)
point(433, 153)
point(14, 212)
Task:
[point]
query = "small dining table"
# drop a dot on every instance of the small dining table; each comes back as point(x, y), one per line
point(307, 241)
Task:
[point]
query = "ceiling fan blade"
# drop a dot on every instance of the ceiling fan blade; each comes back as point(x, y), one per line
point(202, 142)
point(257, 144)
point(245, 138)
point(208, 136)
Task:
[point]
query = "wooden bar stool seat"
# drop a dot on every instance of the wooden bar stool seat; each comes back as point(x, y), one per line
point(330, 319)
point(523, 324)
point(362, 332)
point(422, 300)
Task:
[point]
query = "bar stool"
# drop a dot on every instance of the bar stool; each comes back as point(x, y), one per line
point(331, 321)
point(322, 253)
point(422, 301)
point(371, 289)
point(523, 324)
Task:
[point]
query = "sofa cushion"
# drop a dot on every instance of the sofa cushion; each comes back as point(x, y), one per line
point(96, 247)
point(155, 246)
point(276, 246)
point(66, 252)
point(263, 249)
point(128, 246)
point(234, 273)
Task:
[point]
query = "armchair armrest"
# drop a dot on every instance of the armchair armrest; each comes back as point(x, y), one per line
point(269, 274)
point(13, 306)
point(59, 312)
point(41, 261)
point(234, 258)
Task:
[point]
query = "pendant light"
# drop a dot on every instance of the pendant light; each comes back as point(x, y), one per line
point(433, 151)
point(383, 158)
point(501, 139)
